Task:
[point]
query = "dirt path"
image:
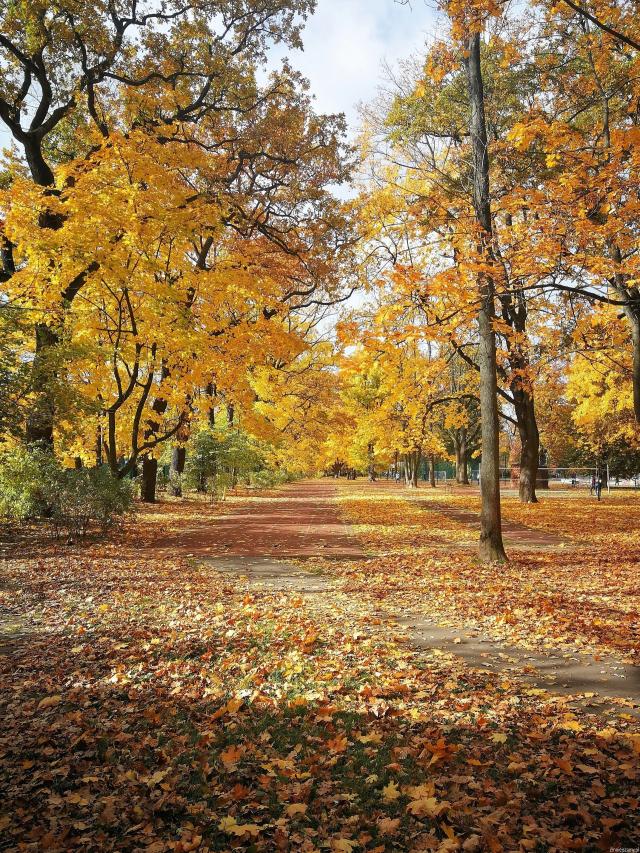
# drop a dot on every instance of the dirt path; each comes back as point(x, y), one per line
point(303, 522)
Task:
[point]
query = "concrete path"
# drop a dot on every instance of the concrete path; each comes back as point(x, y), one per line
point(258, 540)
point(595, 682)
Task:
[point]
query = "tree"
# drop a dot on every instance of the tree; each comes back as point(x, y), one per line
point(491, 547)
point(173, 68)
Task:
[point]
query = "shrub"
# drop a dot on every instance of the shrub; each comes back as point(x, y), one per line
point(25, 483)
point(33, 484)
point(268, 478)
point(89, 495)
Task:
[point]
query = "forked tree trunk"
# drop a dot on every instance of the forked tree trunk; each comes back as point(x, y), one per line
point(149, 479)
point(412, 468)
point(491, 545)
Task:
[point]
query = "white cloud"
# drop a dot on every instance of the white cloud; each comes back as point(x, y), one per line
point(346, 43)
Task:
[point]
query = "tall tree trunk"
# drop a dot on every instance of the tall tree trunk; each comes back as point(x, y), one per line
point(40, 419)
point(462, 473)
point(38, 166)
point(178, 459)
point(463, 453)
point(149, 479)
point(412, 468)
point(372, 463)
point(432, 470)
point(491, 545)
point(99, 443)
point(529, 445)
point(634, 320)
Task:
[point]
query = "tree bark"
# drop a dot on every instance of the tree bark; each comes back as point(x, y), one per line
point(529, 445)
point(178, 459)
point(634, 320)
point(412, 468)
point(432, 470)
point(372, 463)
point(462, 470)
point(491, 545)
point(149, 478)
point(40, 170)
point(99, 458)
point(40, 419)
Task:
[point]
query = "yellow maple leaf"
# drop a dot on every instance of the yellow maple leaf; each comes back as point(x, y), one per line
point(343, 845)
point(427, 807)
point(233, 705)
point(230, 825)
point(296, 809)
point(388, 825)
point(390, 792)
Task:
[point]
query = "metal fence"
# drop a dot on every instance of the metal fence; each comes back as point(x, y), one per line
point(553, 478)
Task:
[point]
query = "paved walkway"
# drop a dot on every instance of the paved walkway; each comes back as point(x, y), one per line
point(257, 541)
point(302, 521)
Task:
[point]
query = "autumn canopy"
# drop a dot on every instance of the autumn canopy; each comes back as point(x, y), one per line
point(209, 290)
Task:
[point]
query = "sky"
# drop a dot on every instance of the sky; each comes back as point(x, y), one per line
point(346, 43)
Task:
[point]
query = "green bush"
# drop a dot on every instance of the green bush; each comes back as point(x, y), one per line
point(268, 478)
point(89, 496)
point(33, 484)
point(25, 483)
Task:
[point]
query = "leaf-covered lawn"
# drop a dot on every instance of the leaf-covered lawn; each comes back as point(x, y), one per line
point(585, 595)
point(154, 704)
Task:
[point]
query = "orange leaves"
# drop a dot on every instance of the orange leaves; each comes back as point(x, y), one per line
point(368, 746)
point(231, 756)
point(309, 640)
point(337, 744)
point(427, 807)
point(296, 809)
point(388, 826)
point(49, 702)
point(231, 707)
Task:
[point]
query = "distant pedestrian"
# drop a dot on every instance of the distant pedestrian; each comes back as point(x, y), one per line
point(598, 488)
